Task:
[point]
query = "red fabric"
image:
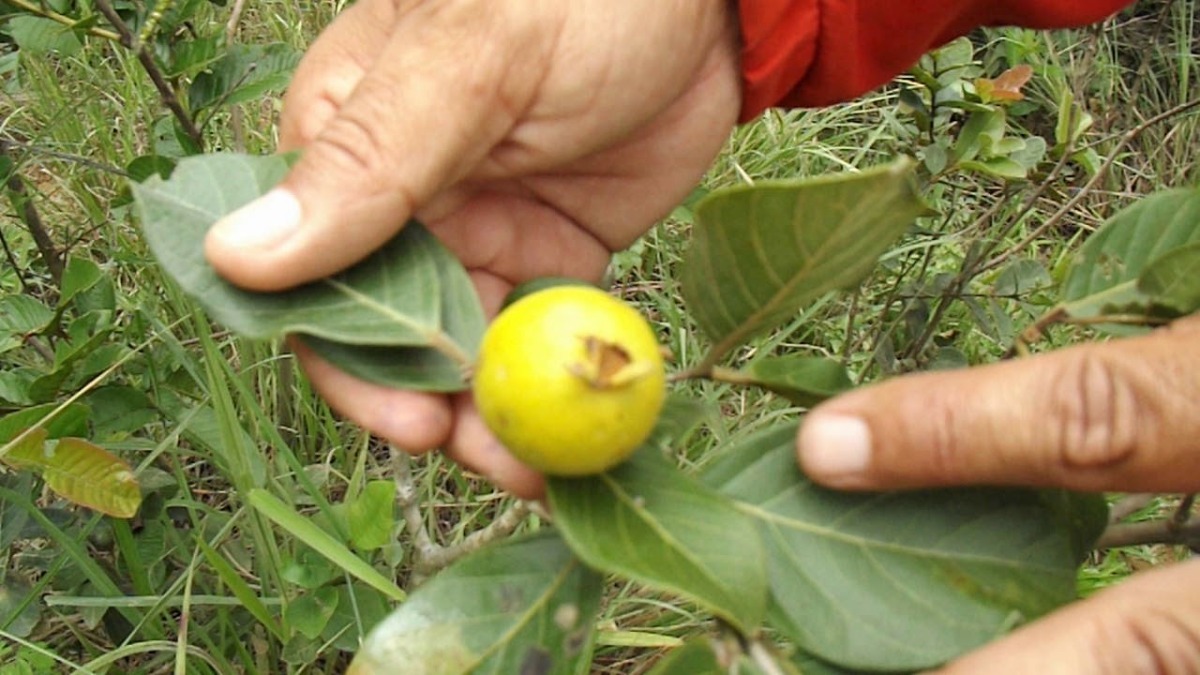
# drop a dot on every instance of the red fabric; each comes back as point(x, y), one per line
point(804, 53)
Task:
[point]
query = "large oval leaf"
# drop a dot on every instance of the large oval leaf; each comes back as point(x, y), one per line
point(524, 606)
point(903, 580)
point(79, 471)
point(760, 252)
point(647, 521)
point(411, 293)
point(1105, 275)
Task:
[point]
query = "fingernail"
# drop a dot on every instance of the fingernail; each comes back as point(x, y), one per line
point(834, 446)
point(263, 223)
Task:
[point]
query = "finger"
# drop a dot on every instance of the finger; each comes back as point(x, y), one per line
point(1120, 415)
point(1148, 624)
point(474, 447)
point(391, 146)
point(412, 421)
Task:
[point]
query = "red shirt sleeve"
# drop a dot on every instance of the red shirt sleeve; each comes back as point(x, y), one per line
point(807, 53)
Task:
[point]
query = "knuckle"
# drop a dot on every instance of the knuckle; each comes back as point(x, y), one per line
point(945, 457)
point(352, 144)
point(1151, 641)
point(1095, 406)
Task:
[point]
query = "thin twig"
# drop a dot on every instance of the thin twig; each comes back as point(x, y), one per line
point(1083, 192)
point(1151, 532)
point(236, 118)
point(503, 526)
point(1184, 513)
point(428, 556)
point(1129, 505)
point(12, 261)
point(146, 58)
point(8, 144)
point(28, 213)
point(46, 13)
point(406, 497)
point(41, 348)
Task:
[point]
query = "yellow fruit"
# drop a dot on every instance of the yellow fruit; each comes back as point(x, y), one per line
point(570, 380)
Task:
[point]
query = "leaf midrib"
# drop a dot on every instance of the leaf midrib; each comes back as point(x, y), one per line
point(675, 544)
point(751, 324)
point(875, 544)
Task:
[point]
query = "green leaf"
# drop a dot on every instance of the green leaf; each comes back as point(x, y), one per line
point(309, 569)
point(189, 56)
point(417, 368)
point(679, 417)
point(310, 613)
point(303, 529)
point(72, 420)
point(80, 472)
point(982, 132)
point(170, 140)
point(147, 166)
point(803, 380)
point(79, 275)
point(998, 167)
point(21, 315)
point(647, 521)
point(119, 410)
point(359, 609)
point(36, 35)
point(371, 515)
point(411, 293)
point(1173, 279)
point(760, 252)
point(244, 73)
point(523, 606)
point(13, 519)
point(1022, 277)
point(20, 609)
point(1104, 276)
point(902, 580)
point(14, 386)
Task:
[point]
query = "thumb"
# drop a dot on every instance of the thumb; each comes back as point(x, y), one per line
point(386, 146)
point(1120, 415)
point(1148, 624)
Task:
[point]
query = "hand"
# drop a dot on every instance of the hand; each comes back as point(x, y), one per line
point(1117, 416)
point(533, 137)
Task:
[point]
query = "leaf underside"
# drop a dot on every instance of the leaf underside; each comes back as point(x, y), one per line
point(648, 521)
point(524, 606)
point(759, 253)
point(411, 296)
point(903, 580)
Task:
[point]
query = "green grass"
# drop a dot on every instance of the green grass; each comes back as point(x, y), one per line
point(228, 416)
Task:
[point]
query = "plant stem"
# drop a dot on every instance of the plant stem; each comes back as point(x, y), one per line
point(1151, 532)
point(236, 118)
point(1129, 505)
point(1126, 138)
point(45, 13)
point(144, 56)
point(428, 556)
point(27, 211)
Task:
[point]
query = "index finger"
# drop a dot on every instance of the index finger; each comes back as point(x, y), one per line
point(1116, 416)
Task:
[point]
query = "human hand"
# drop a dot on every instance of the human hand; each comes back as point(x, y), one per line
point(1123, 416)
point(533, 138)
